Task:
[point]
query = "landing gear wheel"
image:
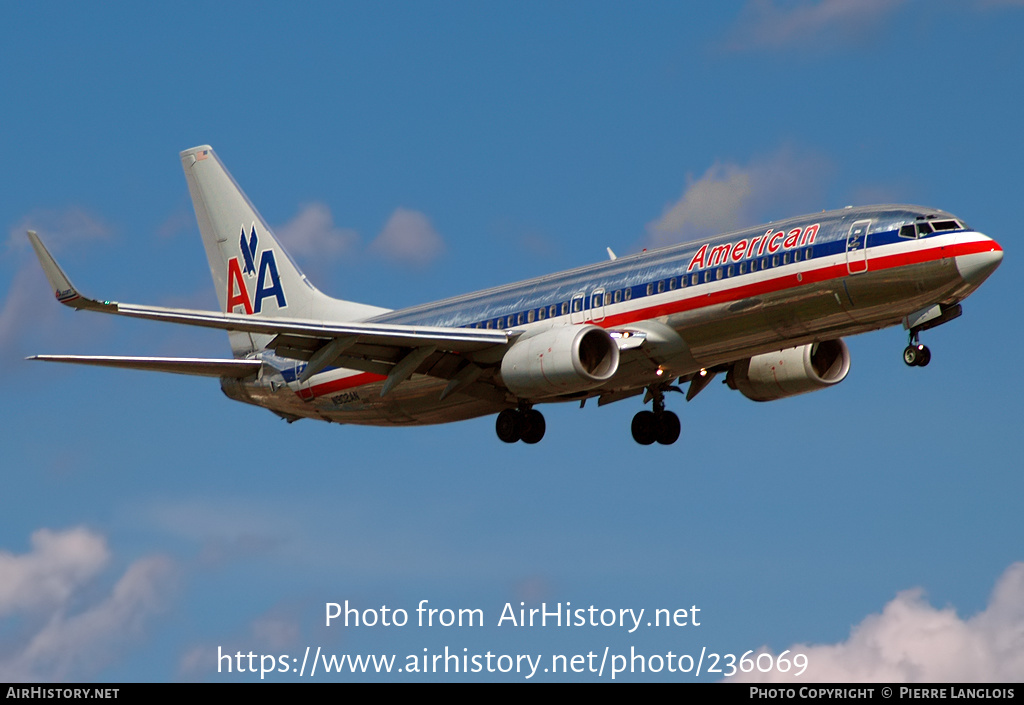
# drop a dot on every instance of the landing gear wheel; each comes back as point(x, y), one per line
point(925, 356)
point(917, 355)
point(645, 428)
point(533, 426)
point(509, 426)
point(667, 428)
point(910, 356)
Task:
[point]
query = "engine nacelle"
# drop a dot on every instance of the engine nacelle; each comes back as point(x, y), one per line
point(792, 371)
point(562, 360)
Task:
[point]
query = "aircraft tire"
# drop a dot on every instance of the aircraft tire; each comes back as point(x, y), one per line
point(509, 426)
point(644, 428)
point(924, 357)
point(917, 355)
point(533, 426)
point(910, 356)
point(667, 428)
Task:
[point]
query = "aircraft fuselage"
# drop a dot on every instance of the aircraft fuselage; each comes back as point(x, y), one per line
point(804, 280)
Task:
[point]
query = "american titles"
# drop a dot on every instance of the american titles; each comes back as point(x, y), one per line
point(770, 243)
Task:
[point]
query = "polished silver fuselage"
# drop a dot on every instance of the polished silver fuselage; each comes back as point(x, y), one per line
point(727, 298)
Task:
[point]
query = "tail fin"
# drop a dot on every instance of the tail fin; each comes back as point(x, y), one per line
point(252, 272)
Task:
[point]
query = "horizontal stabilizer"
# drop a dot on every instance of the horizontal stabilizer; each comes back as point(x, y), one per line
point(178, 365)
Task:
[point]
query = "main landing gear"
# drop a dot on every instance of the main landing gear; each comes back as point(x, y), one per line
point(916, 354)
point(658, 425)
point(524, 424)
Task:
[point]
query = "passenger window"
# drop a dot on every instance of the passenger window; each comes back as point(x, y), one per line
point(743, 267)
point(617, 296)
point(661, 287)
point(785, 258)
point(672, 284)
point(810, 252)
point(718, 273)
point(553, 311)
point(775, 260)
point(529, 316)
point(565, 309)
point(540, 313)
point(650, 289)
point(729, 271)
point(628, 294)
point(577, 305)
point(490, 325)
point(797, 256)
point(707, 276)
point(695, 279)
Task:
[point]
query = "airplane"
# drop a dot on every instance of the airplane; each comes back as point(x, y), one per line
point(767, 306)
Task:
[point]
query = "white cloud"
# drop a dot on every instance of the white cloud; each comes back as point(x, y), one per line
point(312, 233)
point(181, 220)
point(769, 23)
point(43, 590)
point(272, 633)
point(730, 196)
point(913, 642)
point(408, 237)
point(313, 238)
point(57, 564)
point(59, 228)
point(224, 532)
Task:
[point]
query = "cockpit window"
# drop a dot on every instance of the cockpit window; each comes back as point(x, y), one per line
point(908, 231)
point(923, 229)
point(941, 225)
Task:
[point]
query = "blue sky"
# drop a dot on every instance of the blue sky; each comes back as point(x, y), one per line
point(406, 152)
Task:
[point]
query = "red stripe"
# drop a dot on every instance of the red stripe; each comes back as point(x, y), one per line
point(337, 385)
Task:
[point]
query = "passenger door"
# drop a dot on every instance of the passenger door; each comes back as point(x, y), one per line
point(857, 247)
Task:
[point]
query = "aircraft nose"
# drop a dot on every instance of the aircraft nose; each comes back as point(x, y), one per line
point(976, 266)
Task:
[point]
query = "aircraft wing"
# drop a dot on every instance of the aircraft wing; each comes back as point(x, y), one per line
point(178, 365)
point(452, 339)
point(390, 349)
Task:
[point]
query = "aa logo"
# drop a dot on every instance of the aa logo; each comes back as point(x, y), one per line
point(268, 282)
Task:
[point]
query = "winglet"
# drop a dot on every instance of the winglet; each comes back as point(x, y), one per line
point(63, 289)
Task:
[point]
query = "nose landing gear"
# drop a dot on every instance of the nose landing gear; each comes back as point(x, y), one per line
point(916, 354)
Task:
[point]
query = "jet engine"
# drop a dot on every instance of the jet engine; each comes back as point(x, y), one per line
point(561, 360)
point(789, 372)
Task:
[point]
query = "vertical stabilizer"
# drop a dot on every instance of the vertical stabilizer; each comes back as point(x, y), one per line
point(252, 272)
